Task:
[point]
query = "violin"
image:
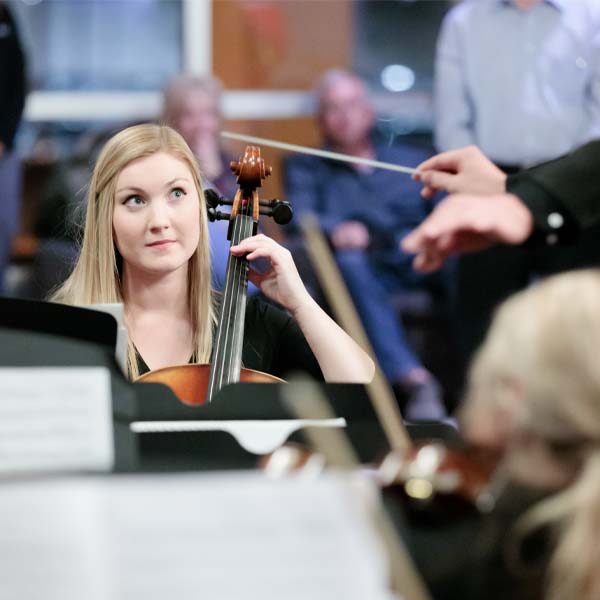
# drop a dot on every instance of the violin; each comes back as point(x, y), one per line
point(196, 384)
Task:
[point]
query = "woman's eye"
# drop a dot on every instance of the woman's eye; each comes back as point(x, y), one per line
point(177, 193)
point(133, 201)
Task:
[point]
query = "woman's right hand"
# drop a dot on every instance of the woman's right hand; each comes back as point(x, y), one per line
point(281, 281)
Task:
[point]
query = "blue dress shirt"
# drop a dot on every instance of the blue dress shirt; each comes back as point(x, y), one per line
point(388, 203)
point(524, 86)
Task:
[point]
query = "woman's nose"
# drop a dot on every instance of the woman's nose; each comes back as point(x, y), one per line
point(159, 216)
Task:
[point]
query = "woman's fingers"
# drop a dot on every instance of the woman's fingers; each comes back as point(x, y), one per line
point(261, 246)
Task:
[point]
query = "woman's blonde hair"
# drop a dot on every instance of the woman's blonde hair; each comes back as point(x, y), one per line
point(545, 342)
point(96, 277)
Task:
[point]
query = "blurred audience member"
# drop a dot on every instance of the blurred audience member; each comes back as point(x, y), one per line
point(192, 106)
point(12, 101)
point(365, 212)
point(521, 80)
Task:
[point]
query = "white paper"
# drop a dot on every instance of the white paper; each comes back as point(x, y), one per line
point(116, 310)
point(55, 418)
point(258, 437)
point(201, 536)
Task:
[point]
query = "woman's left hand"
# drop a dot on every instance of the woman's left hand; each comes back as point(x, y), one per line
point(281, 282)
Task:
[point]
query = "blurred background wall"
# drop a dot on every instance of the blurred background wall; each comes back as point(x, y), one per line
point(97, 65)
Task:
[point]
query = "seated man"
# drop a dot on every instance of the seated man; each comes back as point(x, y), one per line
point(365, 212)
point(192, 106)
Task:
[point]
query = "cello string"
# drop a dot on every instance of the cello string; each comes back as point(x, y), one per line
point(229, 311)
point(239, 233)
point(238, 273)
point(316, 152)
point(240, 279)
point(216, 380)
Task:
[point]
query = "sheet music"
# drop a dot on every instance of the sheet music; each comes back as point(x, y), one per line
point(195, 536)
point(55, 418)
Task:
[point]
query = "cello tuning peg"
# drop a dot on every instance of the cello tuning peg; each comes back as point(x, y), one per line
point(216, 215)
point(212, 198)
point(280, 210)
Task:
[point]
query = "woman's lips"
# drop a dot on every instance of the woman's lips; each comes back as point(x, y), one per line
point(161, 243)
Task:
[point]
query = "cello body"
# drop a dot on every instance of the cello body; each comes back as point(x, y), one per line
point(190, 382)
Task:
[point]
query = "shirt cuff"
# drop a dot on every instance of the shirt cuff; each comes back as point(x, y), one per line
point(553, 224)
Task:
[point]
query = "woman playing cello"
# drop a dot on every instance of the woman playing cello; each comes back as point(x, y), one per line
point(145, 244)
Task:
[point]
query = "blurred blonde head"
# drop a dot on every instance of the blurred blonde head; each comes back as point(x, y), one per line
point(542, 349)
point(96, 277)
point(537, 379)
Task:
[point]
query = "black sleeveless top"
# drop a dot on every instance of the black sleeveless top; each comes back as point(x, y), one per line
point(273, 343)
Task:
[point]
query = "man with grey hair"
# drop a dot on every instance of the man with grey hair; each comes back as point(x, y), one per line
point(192, 106)
point(365, 212)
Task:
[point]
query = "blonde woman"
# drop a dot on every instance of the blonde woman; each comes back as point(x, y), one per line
point(534, 395)
point(145, 244)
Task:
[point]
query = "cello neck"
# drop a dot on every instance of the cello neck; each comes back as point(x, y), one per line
point(226, 361)
point(227, 350)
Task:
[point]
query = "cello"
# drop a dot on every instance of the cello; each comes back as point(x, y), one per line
point(197, 384)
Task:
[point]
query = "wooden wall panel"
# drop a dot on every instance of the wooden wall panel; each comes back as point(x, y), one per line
point(279, 45)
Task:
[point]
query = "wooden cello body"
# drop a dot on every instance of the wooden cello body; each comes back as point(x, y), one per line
point(190, 382)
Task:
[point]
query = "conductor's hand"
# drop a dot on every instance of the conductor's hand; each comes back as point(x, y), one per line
point(281, 281)
point(464, 171)
point(467, 223)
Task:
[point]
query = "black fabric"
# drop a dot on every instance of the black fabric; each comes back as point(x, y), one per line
point(542, 205)
point(570, 183)
point(569, 186)
point(12, 78)
point(273, 343)
point(486, 278)
point(469, 555)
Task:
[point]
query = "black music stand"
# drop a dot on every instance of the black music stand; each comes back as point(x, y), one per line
point(43, 334)
point(36, 333)
point(59, 319)
point(256, 401)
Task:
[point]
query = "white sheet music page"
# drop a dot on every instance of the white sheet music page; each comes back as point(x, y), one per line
point(235, 536)
point(55, 419)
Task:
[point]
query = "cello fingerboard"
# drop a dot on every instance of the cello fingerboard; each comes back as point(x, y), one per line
point(227, 353)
